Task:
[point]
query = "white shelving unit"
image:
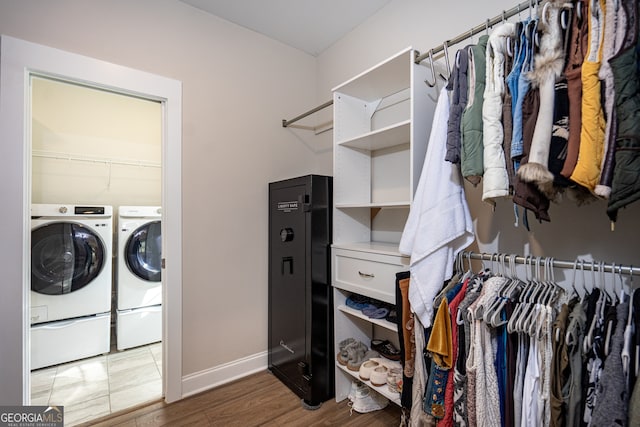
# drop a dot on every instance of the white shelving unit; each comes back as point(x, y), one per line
point(381, 124)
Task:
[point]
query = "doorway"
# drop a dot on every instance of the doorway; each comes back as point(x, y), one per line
point(100, 152)
point(19, 61)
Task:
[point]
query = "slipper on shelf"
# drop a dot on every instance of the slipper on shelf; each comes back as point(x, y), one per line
point(356, 353)
point(343, 355)
point(355, 364)
point(376, 312)
point(358, 302)
point(386, 349)
point(392, 316)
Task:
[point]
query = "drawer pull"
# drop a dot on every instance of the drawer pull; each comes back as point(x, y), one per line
point(367, 275)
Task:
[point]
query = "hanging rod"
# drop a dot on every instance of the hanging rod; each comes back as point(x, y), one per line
point(586, 265)
point(506, 14)
point(74, 157)
point(287, 123)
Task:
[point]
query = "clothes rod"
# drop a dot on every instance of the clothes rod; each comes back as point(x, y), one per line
point(77, 158)
point(506, 14)
point(579, 264)
point(286, 123)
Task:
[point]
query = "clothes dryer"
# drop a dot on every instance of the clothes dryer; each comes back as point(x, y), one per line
point(139, 282)
point(71, 278)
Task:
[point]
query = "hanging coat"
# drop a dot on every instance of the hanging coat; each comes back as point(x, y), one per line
point(549, 62)
point(573, 73)
point(591, 153)
point(625, 186)
point(614, 35)
point(472, 144)
point(458, 85)
point(496, 180)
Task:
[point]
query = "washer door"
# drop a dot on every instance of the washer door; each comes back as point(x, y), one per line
point(65, 257)
point(143, 252)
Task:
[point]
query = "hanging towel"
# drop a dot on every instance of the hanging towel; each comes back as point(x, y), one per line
point(439, 223)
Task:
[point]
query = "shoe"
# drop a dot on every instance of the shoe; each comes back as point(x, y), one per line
point(355, 355)
point(374, 312)
point(367, 400)
point(378, 376)
point(386, 348)
point(358, 302)
point(343, 355)
point(366, 368)
point(392, 316)
point(394, 380)
point(354, 387)
point(354, 364)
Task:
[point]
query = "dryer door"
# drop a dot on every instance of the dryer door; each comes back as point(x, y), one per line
point(143, 252)
point(65, 257)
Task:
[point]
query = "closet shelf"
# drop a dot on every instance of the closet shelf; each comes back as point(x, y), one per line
point(383, 390)
point(403, 204)
point(382, 248)
point(390, 136)
point(380, 322)
point(388, 77)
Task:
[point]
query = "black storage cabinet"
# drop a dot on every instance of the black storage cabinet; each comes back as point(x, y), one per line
point(300, 296)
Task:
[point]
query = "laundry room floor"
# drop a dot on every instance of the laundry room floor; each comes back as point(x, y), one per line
point(100, 385)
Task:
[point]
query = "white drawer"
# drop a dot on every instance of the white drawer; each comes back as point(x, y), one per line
point(369, 274)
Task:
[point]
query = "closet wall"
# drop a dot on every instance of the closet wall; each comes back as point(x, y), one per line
point(574, 231)
point(91, 146)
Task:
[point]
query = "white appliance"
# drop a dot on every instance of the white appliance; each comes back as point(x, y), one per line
point(71, 275)
point(139, 284)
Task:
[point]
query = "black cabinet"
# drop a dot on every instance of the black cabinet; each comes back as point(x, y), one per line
point(300, 296)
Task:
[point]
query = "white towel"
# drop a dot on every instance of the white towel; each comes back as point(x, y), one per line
point(439, 223)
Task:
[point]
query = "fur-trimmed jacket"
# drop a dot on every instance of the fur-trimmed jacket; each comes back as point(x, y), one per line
point(548, 67)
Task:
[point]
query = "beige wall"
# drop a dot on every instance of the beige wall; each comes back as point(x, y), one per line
point(237, 87)
point(573, 231)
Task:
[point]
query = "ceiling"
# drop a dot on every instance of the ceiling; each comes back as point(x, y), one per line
point(309, 25)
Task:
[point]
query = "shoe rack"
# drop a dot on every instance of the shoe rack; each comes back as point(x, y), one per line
point(381, 121)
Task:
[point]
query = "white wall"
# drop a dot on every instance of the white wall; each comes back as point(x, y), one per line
point(91, 146)
point(573, 231)
point(237, 87)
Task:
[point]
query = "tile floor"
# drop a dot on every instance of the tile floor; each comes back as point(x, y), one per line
point(100, 385)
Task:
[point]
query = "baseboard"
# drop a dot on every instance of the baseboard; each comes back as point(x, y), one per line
point(222, 374)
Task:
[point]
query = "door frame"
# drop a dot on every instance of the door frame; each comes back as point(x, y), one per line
point(19, 60)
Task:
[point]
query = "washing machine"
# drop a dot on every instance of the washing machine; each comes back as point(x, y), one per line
point(139, 282)
point(71, 282)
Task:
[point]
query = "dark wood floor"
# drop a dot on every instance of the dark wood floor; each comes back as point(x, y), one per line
point(258, 400)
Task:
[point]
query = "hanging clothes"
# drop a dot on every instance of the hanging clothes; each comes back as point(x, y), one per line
point(614, 33)
point(573, 72)
point(458, 86)
point(625, 186)
point(612, 397)
point(591, 152)
point(549, 62)
point(439, 223)
point(472, 142)
point(495, 178)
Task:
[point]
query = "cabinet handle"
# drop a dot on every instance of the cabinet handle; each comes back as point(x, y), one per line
point(367, 275)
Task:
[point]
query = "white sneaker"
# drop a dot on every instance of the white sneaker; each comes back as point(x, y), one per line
point(367, 400)
point(354, 387)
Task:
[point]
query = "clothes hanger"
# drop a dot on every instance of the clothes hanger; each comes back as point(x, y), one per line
point(512, 324)
point(433, 70)
point(588, 339)
point(610, 323)
point(530, 307)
